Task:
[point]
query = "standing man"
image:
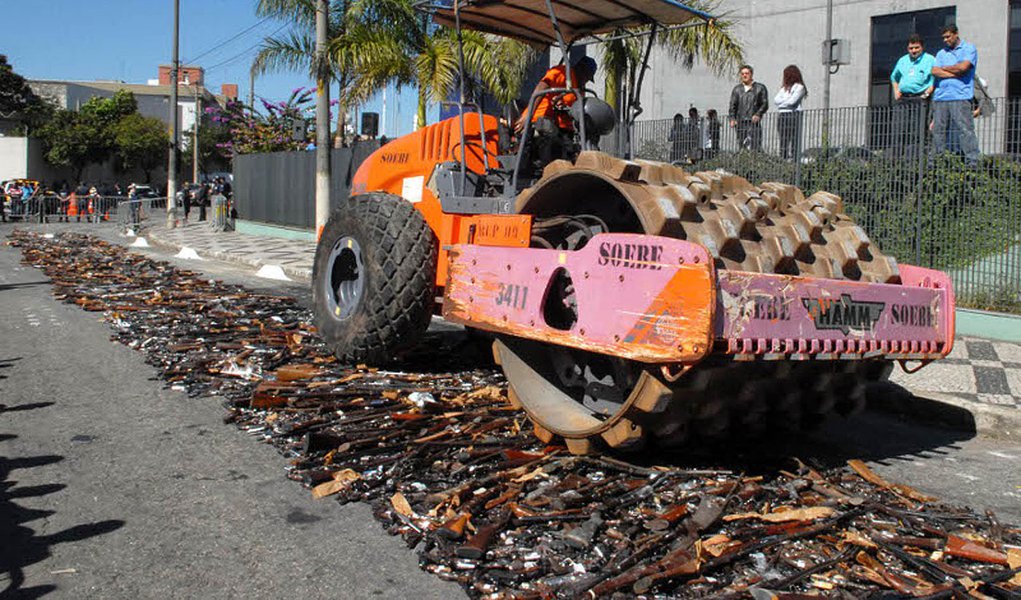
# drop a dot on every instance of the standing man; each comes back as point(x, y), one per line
point(913, 85)
point(748, 102)
point(955, 88)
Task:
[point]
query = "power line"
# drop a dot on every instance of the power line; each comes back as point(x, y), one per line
point(245, 51)
point(220, 44)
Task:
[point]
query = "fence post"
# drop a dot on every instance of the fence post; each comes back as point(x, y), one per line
point(922, 128)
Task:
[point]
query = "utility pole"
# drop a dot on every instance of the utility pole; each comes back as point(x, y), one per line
point(251, 89)
point(322, 118)
point(172, 168)
point(195, 137)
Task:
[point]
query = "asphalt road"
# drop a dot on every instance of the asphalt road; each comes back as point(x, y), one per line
point(113, 487)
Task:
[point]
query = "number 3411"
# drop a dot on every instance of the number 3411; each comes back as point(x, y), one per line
point(512, 295)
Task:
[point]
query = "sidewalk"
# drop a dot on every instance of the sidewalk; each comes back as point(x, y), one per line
point(292, 257)
point(981, 377)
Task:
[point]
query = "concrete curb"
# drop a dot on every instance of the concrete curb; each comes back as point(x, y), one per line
point(299, 274)
point(989, 325)
point(946, 410)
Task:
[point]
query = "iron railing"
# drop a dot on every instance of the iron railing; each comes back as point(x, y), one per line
point(939, 211)
point(50, 208)
point(137, 214)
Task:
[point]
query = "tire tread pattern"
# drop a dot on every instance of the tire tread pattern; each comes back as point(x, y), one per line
point(399, 253)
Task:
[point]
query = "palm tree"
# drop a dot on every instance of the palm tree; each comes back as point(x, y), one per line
point(714, 44)
point(295, 50)
point(389, 41)
point(373, 43)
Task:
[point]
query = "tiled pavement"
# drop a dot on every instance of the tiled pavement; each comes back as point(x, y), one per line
point(293, 256)
point(977, 371)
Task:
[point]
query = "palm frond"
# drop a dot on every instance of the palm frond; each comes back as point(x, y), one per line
point(291, 52)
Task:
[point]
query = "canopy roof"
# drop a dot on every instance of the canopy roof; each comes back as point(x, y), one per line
point(529, 20)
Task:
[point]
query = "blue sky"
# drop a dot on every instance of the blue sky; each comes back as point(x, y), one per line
point(127, 40)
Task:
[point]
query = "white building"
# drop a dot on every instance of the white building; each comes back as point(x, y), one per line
point(776, 33)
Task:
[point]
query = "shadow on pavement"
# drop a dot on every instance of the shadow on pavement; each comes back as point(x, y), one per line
point(22, 546)
point(870, 436)
point(450, 351)
point(896, 400)
point(14, 286)
point(24, 407)
point(7, 363)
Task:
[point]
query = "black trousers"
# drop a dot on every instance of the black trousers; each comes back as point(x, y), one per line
point(788, 125)
point(910, 126)
point(749, 135)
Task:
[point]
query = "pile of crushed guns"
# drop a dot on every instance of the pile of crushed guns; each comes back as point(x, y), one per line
point(444, 463)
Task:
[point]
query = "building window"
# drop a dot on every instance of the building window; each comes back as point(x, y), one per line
point(890, 39)
point(1014, 79)
point(1014, 51)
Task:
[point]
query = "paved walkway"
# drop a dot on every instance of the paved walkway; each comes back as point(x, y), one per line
point(981, 376)
point(294, 257)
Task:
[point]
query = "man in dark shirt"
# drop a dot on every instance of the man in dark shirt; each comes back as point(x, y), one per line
point(748, 102)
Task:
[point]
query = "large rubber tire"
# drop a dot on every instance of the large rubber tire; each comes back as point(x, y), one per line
point(373, 278)
point(772, 228)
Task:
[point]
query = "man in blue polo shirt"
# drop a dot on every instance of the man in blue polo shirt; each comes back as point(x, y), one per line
point(955, 87)
point(913, 84)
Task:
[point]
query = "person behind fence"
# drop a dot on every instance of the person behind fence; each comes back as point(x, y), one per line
point(184, 198)
point(788, 104)
point(749, 101)
point(693, 136)
point(134, 204)
point(913, 85)
point(954, 71)
point(27, 192)
point(676, 138)
point(81, 200)
point(200, 198)
point(711, 143)
point(95, 211)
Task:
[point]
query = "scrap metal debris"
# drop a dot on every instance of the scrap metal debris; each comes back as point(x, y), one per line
point(445, 463)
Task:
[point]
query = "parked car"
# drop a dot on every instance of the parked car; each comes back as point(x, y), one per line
point(145, 191)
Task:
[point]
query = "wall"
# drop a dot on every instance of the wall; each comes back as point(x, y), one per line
point(776, 33)
point(278, 188)
point(13, 158)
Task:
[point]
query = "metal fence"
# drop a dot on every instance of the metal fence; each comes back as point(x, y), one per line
point(135, 215)
point(279, 187)
point(53, 209)
point(919, 199)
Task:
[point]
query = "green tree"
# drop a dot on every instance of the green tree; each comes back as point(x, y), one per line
point(713, 44)
point(77, 139)
point(388, 41)
point(213, 154)
point(377, 42)
point(142, 142)
point(18, 101)
point(71, 141)
point(295, 50)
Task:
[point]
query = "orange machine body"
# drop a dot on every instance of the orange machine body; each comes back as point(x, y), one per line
point(404, 167)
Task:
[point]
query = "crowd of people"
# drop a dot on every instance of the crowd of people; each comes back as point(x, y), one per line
point(200, 195)
point(59, 200)
point(62, 202)
point(938, 93)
